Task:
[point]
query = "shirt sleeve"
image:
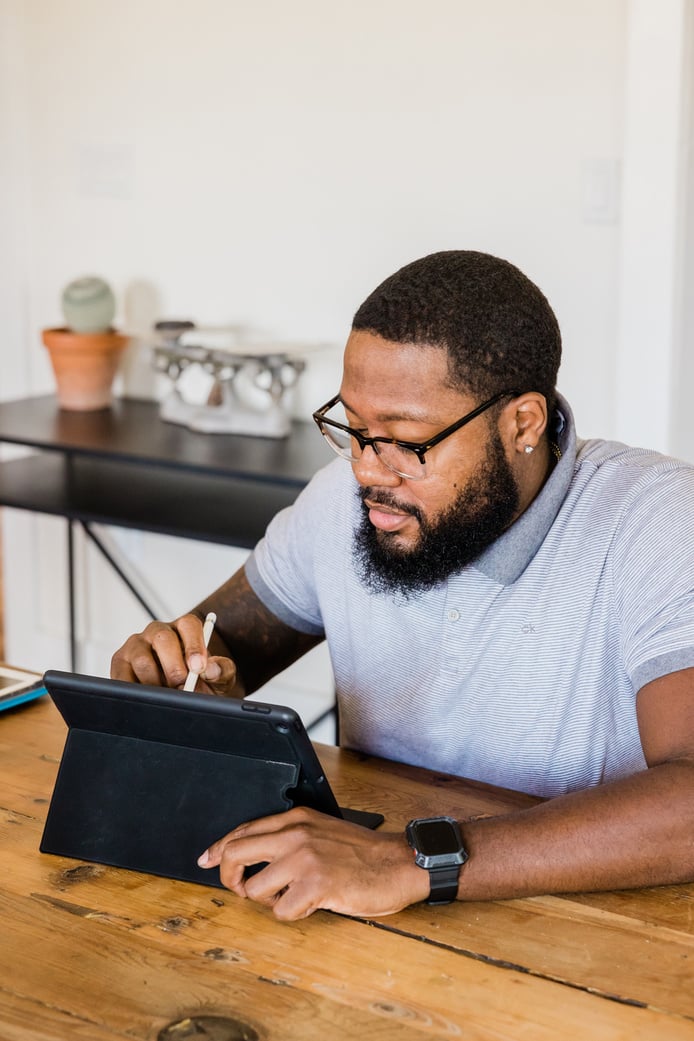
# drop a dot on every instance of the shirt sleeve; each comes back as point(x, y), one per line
point(654, 575)
point(282, 568)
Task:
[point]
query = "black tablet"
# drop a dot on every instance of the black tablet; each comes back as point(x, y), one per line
point(150, 777)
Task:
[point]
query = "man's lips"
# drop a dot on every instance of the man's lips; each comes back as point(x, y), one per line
point(386, 518)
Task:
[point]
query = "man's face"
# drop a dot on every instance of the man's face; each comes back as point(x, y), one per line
point(414, 534)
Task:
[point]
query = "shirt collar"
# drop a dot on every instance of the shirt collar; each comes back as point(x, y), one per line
point(507, 558)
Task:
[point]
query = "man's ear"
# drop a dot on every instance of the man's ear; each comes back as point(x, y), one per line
point(525, 421)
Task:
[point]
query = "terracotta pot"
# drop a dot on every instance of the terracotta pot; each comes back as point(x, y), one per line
point(85, 365)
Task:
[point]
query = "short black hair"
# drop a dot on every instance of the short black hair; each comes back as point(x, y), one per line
point(497, 327)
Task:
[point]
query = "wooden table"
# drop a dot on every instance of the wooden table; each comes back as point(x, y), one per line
point(97, 953)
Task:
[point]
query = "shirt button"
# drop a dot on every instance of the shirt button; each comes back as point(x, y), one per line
point(453, 615)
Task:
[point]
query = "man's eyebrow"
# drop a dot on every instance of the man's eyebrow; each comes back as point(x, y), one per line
point(395, 417)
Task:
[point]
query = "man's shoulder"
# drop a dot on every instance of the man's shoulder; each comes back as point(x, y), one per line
point(323, 504)
point(335, 473)
point(618, 465)
point(616, 487)
point(333, 479)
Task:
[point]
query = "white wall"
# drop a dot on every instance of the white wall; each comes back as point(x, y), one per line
point(682, 405)
point(268, 163)
point(656, 192)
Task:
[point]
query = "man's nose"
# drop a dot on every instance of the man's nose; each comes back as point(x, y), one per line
point(369, 469)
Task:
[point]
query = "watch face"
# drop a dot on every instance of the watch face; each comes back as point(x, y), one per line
point(436, 837)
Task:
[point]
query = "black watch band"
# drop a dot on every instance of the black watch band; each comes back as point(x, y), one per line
point(443, 884)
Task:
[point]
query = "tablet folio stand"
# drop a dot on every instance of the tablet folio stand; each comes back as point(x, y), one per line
point(150, 777)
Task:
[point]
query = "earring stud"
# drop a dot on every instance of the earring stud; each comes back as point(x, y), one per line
point(528, 449)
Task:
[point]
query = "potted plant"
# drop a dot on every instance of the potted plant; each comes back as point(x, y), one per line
point(86, 352)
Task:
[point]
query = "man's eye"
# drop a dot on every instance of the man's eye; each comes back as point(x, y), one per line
point(357, 429)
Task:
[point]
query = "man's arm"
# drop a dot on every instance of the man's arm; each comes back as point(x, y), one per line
point(634, 832)
point(249, 645)
point(638, 831)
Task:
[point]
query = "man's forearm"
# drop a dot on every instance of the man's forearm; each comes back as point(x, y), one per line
point(638, 831)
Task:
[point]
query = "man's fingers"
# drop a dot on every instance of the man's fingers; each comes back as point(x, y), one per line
point(167, 651)
point(189, 628)
point(153, 656)
point(219, 675)
point(266, 886)
point(163, 654)
point(121, 669)
point(293, 903)
point(260, 841)
point(212, 856)
point(157, 655)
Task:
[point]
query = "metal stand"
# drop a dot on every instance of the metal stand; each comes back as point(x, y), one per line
point(72, 597)
point(251, 383)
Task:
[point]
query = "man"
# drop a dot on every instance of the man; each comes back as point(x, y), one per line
point(500, 601)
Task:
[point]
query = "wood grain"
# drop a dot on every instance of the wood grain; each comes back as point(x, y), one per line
point(96, 952)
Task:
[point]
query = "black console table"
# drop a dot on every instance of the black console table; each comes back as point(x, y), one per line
point(124, 466)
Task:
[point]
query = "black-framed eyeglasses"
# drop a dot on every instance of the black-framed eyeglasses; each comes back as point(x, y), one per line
point(405, 458)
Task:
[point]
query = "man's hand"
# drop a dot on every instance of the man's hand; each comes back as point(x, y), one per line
point(316, 861)
point(163, 654)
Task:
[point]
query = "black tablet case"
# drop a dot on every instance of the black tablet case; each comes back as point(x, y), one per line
point(150, 777)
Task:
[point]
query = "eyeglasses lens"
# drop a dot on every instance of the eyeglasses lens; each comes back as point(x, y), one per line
point(402, 461)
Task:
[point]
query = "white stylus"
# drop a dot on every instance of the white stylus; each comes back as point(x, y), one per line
point(206, 633)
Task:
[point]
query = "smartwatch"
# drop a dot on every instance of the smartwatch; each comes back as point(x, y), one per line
point(439, 849)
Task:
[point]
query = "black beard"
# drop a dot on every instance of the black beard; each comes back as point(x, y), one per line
point(483, 510)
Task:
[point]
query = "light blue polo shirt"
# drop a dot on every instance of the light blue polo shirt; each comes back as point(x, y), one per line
point(522, 669)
